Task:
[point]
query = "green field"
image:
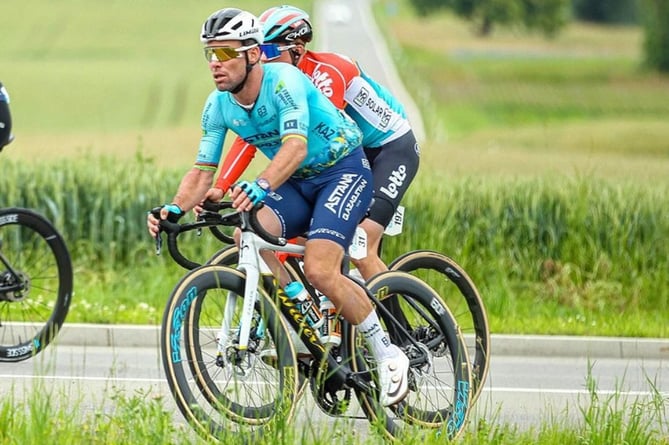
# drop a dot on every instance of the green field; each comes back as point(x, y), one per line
point(545, 172)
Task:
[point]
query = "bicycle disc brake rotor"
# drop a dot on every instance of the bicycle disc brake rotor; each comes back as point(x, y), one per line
point(429, 336)
point(9, 280)
point(241, 362)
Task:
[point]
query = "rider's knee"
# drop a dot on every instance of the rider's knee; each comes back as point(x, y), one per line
point(382, 211)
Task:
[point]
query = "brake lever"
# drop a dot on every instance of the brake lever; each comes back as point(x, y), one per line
point(159, 239)
point(159, 243)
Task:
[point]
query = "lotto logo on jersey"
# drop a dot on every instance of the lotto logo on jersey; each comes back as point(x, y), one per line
point(322, 81)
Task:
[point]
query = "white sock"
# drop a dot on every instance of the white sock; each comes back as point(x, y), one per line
point(375, 336)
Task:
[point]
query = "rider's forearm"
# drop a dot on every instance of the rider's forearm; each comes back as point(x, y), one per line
point(287, 160)
point(193, 188)
point(235, 163)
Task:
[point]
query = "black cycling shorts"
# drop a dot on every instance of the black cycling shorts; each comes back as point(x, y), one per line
point(394, 166)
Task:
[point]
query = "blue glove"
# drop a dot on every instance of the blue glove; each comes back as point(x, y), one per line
point(255, 193)
point(175, 212)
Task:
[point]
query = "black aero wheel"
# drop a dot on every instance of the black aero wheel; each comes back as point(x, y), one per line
point(461, 296)
point(439, 376)
point(35, 283)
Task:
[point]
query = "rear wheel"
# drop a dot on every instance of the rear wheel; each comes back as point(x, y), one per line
point(461, 296)
point(439, 376)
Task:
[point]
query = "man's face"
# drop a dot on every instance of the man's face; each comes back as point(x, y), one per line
point(227, 61)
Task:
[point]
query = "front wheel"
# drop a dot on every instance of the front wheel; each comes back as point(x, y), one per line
point(238, 389)
point(439, 375)
point(35, 283)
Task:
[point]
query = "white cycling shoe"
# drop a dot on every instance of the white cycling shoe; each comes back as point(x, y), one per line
point(393, 378)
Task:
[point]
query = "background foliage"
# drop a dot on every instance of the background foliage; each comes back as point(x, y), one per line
point(544, 172)
point(551, 16)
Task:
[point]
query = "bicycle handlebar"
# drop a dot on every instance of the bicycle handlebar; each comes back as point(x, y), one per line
point(211, 218)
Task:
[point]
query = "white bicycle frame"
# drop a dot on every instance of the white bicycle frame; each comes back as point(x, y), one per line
point(252, 264)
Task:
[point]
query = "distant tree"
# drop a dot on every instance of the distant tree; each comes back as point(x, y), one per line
point(609, 11)
point(547, 16)
point(656, 43)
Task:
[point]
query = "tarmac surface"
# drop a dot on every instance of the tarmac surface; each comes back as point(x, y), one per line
point(501, 344)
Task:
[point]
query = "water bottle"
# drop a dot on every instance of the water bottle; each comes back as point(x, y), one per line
point(303, 301)
point(330, 331)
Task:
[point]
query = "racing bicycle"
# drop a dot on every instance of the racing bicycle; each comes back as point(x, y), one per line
point(230, 337)
point(442, 273)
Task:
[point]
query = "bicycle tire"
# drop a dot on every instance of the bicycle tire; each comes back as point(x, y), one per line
point(31, 318)
point(463, 300)
point(439, 399)
point(202, 388)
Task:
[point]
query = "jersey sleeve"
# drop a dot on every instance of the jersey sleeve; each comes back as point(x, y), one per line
point(213, 135)
point(292, 105)
point(235, 163)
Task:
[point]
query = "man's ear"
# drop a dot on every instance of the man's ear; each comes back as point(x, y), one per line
point(255, 54)
point(300, 48)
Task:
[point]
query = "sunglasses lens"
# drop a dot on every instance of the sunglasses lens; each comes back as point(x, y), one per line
point(220, 54)
point(270, 50)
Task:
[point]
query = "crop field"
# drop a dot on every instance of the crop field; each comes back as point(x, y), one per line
point(544, 174)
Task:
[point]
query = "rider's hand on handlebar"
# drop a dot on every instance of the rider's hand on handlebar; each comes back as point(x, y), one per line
point(245, 195)
point(170, 212)
point(214, 195)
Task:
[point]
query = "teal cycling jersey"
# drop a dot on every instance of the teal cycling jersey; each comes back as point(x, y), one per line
point(287, 104)
point(380, 116)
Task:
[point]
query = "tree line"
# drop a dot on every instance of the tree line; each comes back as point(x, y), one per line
point(550, 16)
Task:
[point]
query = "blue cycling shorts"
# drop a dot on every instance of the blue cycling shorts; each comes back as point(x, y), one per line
point(327, 206)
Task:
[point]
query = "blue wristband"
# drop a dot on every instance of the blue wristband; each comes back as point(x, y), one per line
point(173, 208)
point(254, 192)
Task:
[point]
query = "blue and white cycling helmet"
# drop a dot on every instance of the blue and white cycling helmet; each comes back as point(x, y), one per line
point(231, 24)
point(285, 24)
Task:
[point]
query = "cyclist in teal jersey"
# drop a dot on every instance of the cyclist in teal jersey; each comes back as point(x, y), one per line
point(318, 180)
point(388, 141)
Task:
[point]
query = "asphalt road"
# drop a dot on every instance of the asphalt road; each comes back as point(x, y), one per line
point(520, 390)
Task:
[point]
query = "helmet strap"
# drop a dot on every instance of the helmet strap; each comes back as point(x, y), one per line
point(249, 67)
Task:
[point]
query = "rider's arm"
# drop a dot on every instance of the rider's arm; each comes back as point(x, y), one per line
point(235, 162)
point(193, 187)
point(291, 154)
point(196, 182)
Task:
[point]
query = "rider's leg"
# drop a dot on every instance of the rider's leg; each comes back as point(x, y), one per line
point(372, 263)
point(394, 167)
point(322, 264)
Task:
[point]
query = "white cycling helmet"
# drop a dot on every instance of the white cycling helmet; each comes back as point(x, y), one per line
point(231, 24)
